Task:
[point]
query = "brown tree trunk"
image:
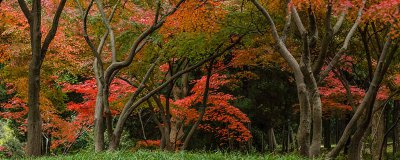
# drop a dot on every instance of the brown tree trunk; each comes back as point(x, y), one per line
point(99, 121)
point(34, 120)
point(34, 140)
point(99, 107)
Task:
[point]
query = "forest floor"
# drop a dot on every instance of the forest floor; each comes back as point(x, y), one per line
point(158, 155)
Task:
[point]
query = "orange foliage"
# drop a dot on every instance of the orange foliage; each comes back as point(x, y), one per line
point(195, 16)
point(222, 119)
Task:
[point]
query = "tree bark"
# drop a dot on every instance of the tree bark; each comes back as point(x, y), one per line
point(378, 130)
point(34, 119)
point(34, 140)
point(99, 121)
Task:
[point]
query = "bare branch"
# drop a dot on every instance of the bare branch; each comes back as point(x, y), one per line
point(52, 33)
point(282, 48)
point(312, 26)
point(103, 39)
point(298, 21)
point(25, 10)
point(325, 41)
point(106, 23)
point(287, 23)
point(86, 36)
point(138, 42)
point(342, 50)
point(140, 88)
point(367, 100)
point(157, 11)
point(340, 21)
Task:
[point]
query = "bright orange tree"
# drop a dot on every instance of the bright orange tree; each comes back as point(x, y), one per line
point(222, 119)
point(67, 54)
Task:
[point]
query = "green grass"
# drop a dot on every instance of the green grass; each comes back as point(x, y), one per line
point(159, 155)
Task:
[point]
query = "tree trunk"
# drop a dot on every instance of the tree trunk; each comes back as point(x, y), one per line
point(203, 107)
point(99, 120)
point(34, 120)
point(271, 139)
point(315, 100)
point(396, 131)
point(303, 133)
point(378, 131)
point(327, 133)
point(355, 151)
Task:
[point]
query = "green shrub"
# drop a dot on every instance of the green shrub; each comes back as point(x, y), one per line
point(10, 146)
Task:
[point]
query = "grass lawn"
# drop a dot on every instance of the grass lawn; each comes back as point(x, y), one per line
point(157, 155)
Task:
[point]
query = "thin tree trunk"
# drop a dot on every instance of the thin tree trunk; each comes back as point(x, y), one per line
point(396, 131)
point(271, 139)
point(203, 108)
point(378, 131)
point(327, 133)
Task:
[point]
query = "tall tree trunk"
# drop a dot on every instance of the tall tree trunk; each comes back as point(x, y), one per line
point(327, 133)
point(34, 120)
point(316, 104)
point(99, 107)
point(303, 133)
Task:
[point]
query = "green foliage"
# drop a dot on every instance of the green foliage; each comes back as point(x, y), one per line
point(156, 155)
point(10, 145)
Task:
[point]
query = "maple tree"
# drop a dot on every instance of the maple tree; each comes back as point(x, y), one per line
point(106, 74)
point(218, 117)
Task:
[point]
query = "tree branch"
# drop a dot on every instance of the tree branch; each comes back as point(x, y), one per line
point(25, 10)
point(106, 23)
point(52, 33)
point(325, 41)
point(342, 50)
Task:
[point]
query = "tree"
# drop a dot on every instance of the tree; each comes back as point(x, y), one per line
point(39, 50)
point(308, 73)
point(105, 76)
point(215, 114)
